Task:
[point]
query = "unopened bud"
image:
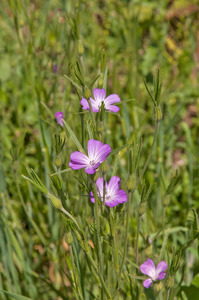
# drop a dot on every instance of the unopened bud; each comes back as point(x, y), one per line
point(100, 126)
point(157, 286)
point(141, 208)
point(157, 115)
point(148, 250)
point(131, 182)
point(169, 281)
point(55, 201)
point(57, 161)
point(104, 166)
point(86, 92)
point(101, 81)
point(80, 47)
point(166, 200)
point(69, 238)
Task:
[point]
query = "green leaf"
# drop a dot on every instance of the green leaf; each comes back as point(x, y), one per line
point(118, 149)
point(73, 136)
point(47, 109)
point(93, 81)
point(149, 92)
point(138, 277)
point(74, 83)
point(3, 184)
point(15, 296)
point(191, 292)
point(105, 79)
point(62, 171)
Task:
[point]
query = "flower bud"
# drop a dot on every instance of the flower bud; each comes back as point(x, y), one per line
point(157, 286)
point(100, 126)
point(131, 182)
point(55, 201)
point(80, 47)
point(86, 92)
point(101, 81)
point(69, 238)
point(148, 250)
point(57, 161)
point(141, 208)
point(157, 114)
point(166, 200)
point(104, 166)
point(169, 281)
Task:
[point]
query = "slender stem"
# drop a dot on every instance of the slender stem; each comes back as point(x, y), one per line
point(163, 219)
point(104, 188)
point(125, 242)
point(151, 150)
point(168, 292)
point(101, 262)
point(137, 242)
point(76, 283)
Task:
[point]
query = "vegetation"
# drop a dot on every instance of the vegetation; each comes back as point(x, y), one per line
point(124, 46)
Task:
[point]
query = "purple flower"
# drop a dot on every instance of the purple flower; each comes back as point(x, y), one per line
point(148, 268)
point(113, 194)
point(59, 116)
point(97, 153)
point(99, 97)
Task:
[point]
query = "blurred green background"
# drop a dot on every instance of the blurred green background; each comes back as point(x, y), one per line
point(37, 47)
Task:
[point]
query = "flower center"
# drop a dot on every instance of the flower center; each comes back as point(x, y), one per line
point(92, 162)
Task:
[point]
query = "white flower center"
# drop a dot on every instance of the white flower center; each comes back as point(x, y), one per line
point(154, 275)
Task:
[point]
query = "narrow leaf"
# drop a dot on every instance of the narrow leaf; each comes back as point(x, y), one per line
point(73, 136)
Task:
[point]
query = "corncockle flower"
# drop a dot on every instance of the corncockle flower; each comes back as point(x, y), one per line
point(99, 98)
point(97, 153)
point(113, 194)
point(148, 268)
point(59, 116)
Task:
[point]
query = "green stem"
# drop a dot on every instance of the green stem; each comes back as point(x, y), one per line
point(75, 273)
point(101, 262)
point(163, 219)
point(168, 292)
point(137, 242)
point(150, 153)
point(125, 242)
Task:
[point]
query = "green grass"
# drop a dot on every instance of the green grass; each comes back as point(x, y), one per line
point(138, 37)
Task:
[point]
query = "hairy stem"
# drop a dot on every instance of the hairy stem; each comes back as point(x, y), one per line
point(137, 241)
point(150, 153)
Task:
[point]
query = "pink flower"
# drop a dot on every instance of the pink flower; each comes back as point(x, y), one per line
point(148, 268)
point(59, 116)
point(97, 153)
point(113, 194)
point(99, 98)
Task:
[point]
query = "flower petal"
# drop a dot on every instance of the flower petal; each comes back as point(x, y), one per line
point(102, 153)
point(90, 170)
point(99, 95)
point(59, 116)
point(84, 103)
point(92, 197)
point(112, 99)
point(147, 283)
point(113, 185)
point(99, 184)
point(79, 158)
point(161, 275)
point(112, 108)
point(120, 197)
point(148, 268)
point(162, 266)
point(93, 147)
point(95, 105)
